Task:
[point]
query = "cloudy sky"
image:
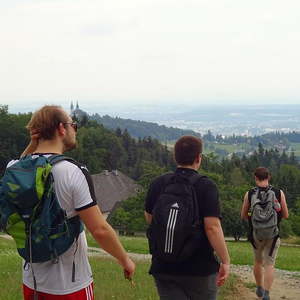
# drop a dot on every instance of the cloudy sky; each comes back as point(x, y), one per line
point(119, 52)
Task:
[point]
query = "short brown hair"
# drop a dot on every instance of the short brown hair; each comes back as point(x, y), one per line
point(186, 150)
point(46, 120)
point(262, 173)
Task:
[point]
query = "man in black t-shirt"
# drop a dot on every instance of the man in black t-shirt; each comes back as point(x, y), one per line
point(199, 275)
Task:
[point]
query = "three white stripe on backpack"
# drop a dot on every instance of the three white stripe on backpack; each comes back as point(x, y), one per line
point(170, 230)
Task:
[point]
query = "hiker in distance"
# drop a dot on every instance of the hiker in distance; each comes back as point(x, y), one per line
point(69, 276)
point(264, 206)
point(183, 211)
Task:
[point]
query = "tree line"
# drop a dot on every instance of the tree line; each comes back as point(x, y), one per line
point(98, 147)
point(234, 177)
point(145, 158)
point(141, 129)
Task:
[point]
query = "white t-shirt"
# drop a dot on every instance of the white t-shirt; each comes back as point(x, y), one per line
point(72, 184)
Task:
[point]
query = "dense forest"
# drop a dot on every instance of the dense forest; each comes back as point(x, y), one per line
point(141, 129)
point(223, 146)
point(98, 147)
point(145, 158)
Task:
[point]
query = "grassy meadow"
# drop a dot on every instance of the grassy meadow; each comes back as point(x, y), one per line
point(240, 252)
point(108, 276)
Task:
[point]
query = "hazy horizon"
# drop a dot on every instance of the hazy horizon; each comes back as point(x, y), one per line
point(101, 108)
point(153, 51)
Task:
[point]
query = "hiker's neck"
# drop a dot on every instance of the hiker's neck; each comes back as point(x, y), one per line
point(50, 146)
point(193, 166)
point(263, 183)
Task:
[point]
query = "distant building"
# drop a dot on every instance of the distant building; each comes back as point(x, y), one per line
point(76, 112)
point(111, 188)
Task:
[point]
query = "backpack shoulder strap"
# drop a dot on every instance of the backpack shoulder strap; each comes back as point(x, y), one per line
point(168, 178)
point(276, 192)
point(195, 177)
point(53, 159)
point(251, 192)
point(250, 232)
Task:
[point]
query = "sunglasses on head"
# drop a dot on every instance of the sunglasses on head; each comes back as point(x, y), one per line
point(73, 124)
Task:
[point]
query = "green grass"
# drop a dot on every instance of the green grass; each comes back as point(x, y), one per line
point(10, 271)
point(250, 285)
point(296, 147)
point(131, 244)
point(295, 240)
point(240, 252)
point(108, 278)
point(288, 257)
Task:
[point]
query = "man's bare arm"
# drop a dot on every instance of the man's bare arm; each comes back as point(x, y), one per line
point(245, 207)
point(214, 232)
point(34, 141)
point(148, 217)
point(106, 237)
point(284, 208)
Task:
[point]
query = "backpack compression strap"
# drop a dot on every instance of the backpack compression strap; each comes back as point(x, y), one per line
point(250, 236)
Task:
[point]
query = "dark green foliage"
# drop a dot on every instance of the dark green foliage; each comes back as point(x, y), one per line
point(129, 217)
point(141, 129)
point(145, 158)
point(13, 135)
point(99, 148)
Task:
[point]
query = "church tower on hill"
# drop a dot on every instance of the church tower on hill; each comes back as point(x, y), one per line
point(77, 113)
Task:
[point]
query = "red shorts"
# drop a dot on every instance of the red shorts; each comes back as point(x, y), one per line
point(84, 294)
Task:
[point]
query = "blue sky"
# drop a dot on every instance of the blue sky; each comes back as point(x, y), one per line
point(149, 51)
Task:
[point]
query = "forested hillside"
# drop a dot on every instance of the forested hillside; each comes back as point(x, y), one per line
point(233, 176)
point(98, 147)
point(140, 129)
point(144, 158)
point(222, 145)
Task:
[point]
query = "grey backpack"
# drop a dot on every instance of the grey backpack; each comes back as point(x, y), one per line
point(264, 208)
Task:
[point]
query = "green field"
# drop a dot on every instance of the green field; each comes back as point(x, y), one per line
point(296, 148)
point(240, 252)
point(108, 278)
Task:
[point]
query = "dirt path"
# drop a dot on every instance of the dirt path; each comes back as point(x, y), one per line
point(286, 284)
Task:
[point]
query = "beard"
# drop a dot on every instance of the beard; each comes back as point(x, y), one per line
point(69, 144)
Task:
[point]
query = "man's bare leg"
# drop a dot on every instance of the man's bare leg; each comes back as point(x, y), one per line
point(258, 272)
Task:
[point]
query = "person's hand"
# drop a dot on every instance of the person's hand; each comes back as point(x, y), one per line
point(33, 144)
point(223, 274)
point(129, 268)
point(34, 136)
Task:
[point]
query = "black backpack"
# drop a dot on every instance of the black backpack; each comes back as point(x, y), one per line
point(176, 231)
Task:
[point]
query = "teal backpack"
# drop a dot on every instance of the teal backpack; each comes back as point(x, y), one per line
point(31, 213)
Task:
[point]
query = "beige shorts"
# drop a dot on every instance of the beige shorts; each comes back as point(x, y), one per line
point(261, 253)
